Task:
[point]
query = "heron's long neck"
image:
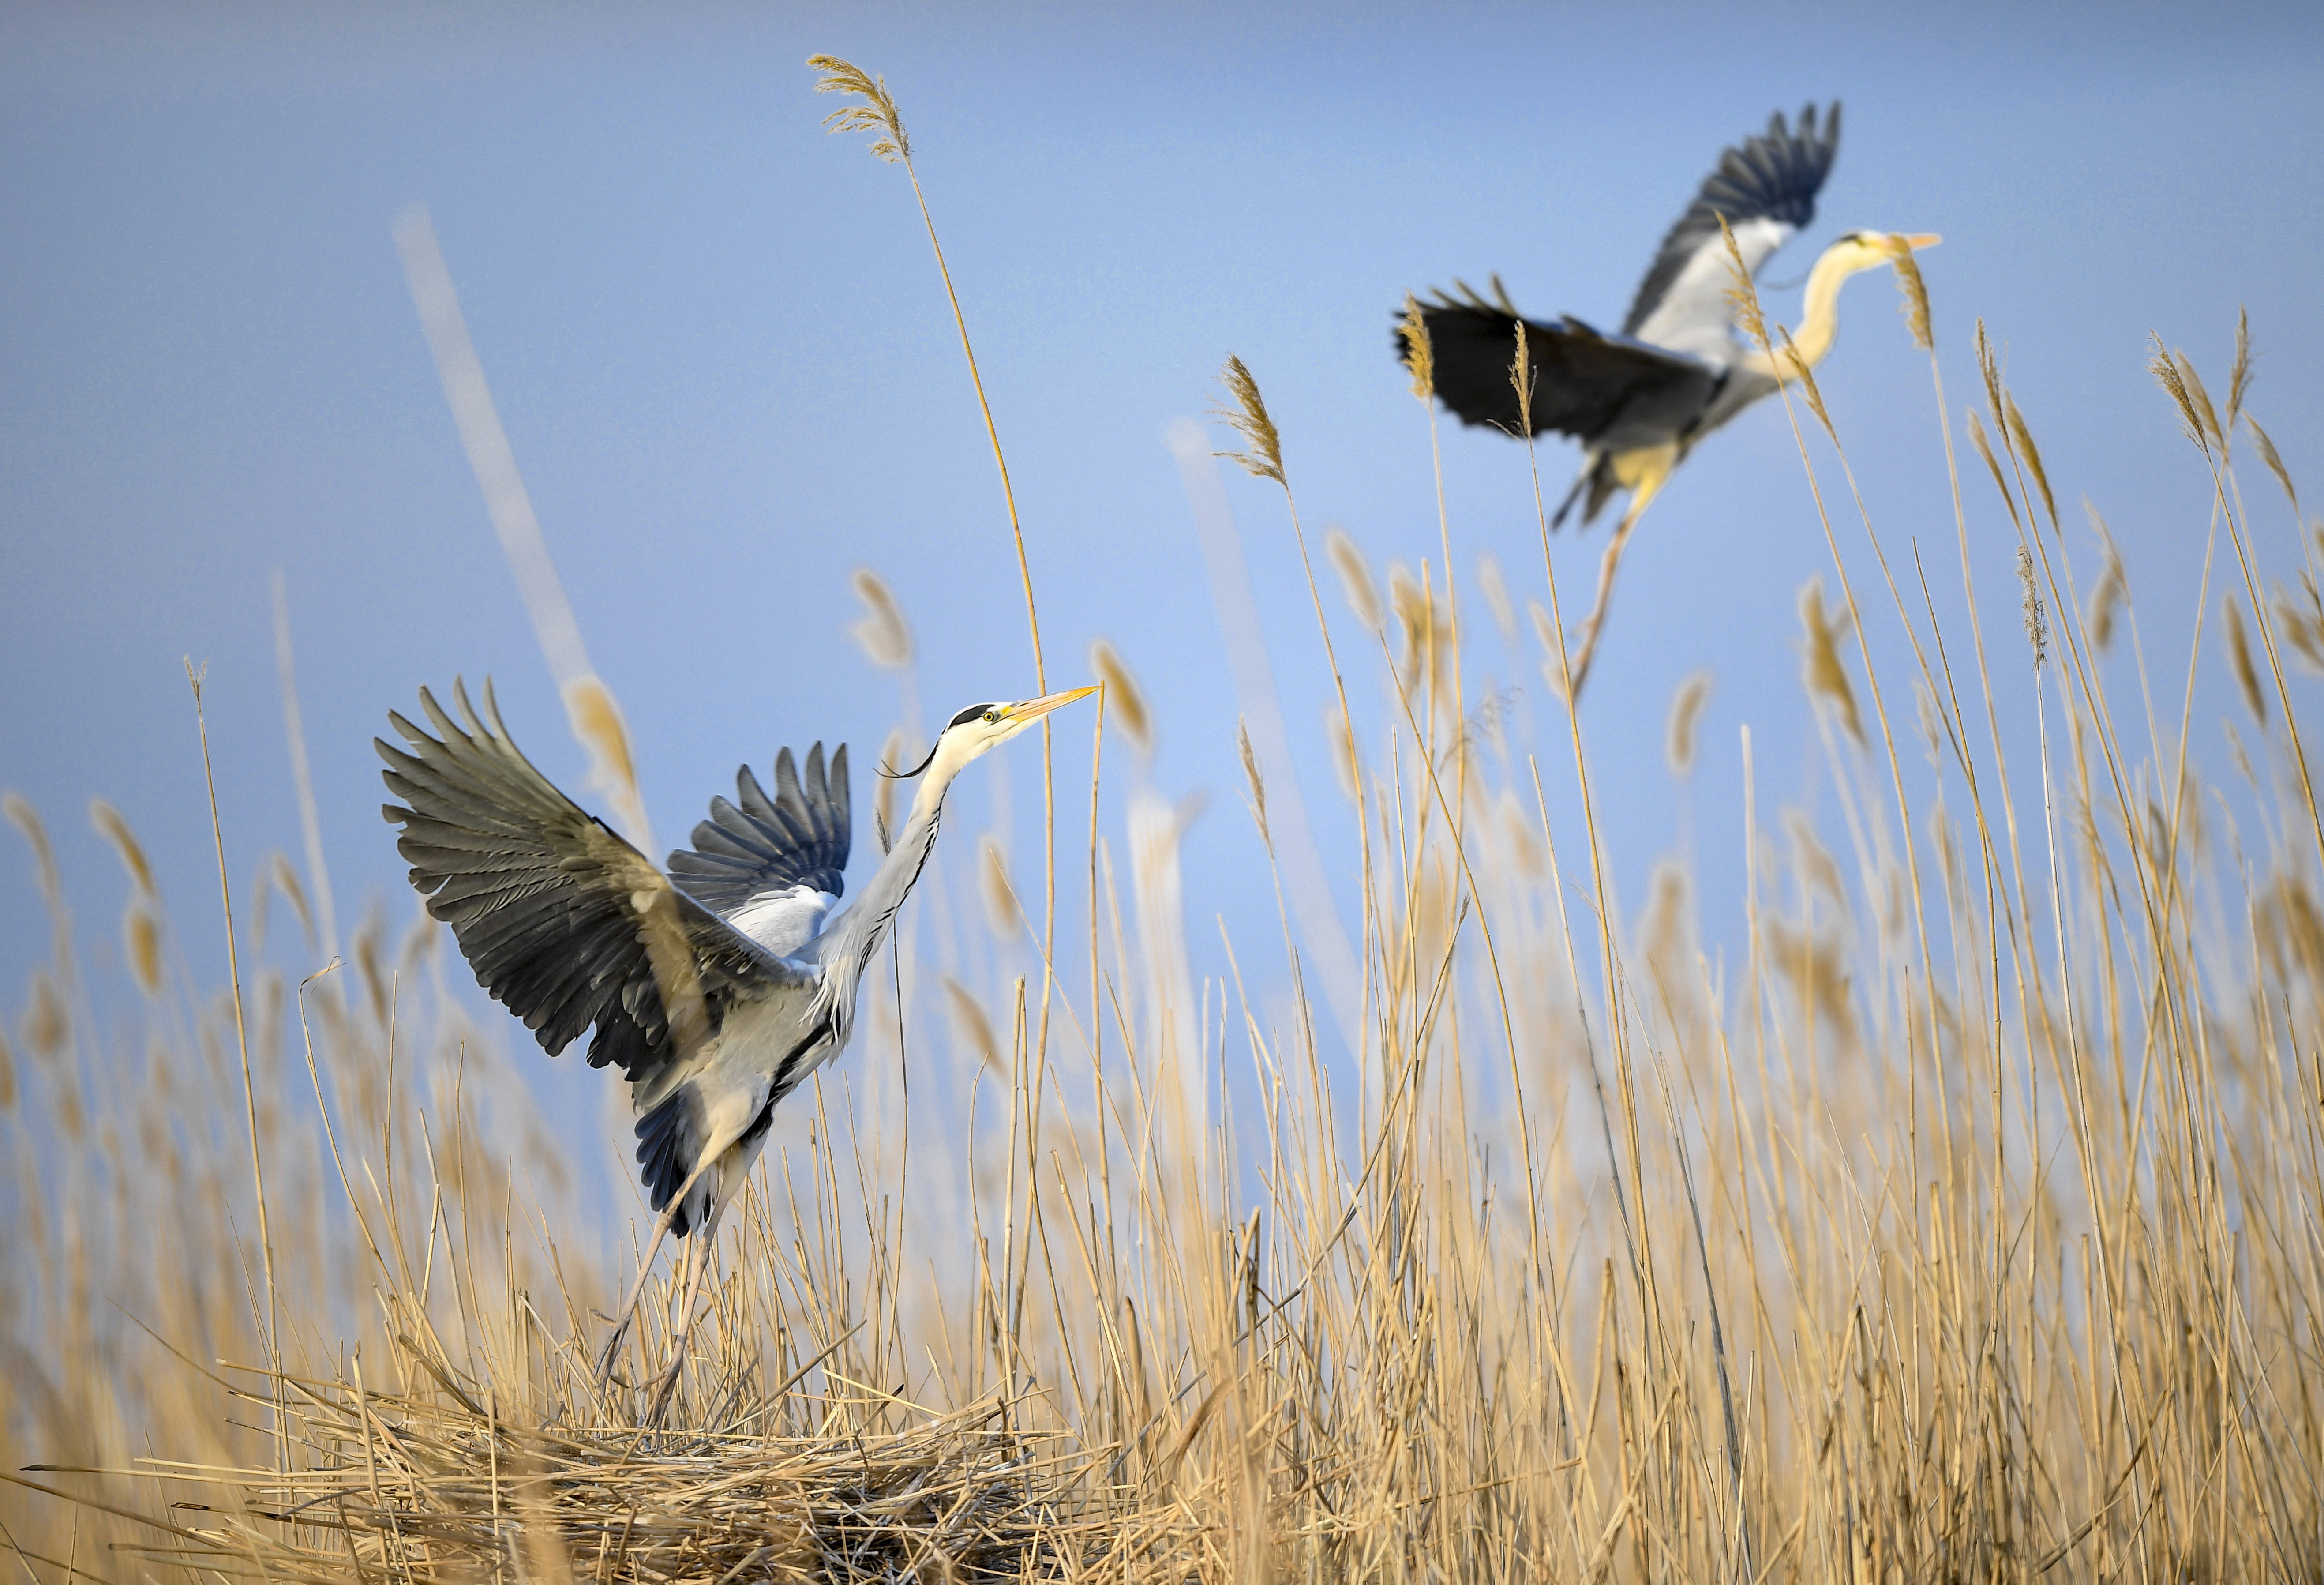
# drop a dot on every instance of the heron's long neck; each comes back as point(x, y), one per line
point(1818, 330)
point(894, 879)
point(848, 945)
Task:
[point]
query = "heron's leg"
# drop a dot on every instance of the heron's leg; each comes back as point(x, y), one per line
point(1652, 469)
point(698, 1264)
point(645, 1266)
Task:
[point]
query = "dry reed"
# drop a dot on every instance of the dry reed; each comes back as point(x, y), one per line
point(1962, 1236)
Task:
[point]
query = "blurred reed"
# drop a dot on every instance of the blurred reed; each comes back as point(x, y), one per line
point(1952, 1227)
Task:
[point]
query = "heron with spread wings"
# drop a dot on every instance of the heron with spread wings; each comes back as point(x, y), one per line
point(1640, 401)
point(715, 987)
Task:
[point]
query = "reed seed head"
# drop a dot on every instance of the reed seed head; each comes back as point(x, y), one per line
point(1419, 353)
point(1989, 369)
point(1355, 578)
point(1913, 290)
point(2106, 602)
point(1544, 627)
point(1993, 466)
point(27, 819)
point(1521, 382)
point(1001, 909)
point(2291, 930)
point(1257, 783)
point(370, 967)
point(1343, 752)
point(2239, 376)
point(877, 115)
point(2037, 626)
point(1685, 716)
point(2239, 653)
point(884, 634)
point(1497, 597)
point(1825, 676)
point(1742, 293)
point(2300, 617)
point(1412, 618)
point(141, 946)
point(2274, 460)
point(72, 1118)
point(1667, 939)
point(285, 878)
point(1245, 412)
point(2201, 399)
point(598, 723)
point(971, 1025)
point(1817, 868)
point(46, 1025)
point(2171, 373)
point(1125, 701)
point(421, 937)
point(1523, 836)
point(2024, 439)
point(1930, 716)
point(108, 824)
point(1816, 969)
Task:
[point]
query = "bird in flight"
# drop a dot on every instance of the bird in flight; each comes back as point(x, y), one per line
point(1638, 402)
point(715, 987)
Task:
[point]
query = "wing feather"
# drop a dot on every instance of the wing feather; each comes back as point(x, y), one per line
point(1586, 384)
point(1766, 186)
point(565, 924)
point(756, 843)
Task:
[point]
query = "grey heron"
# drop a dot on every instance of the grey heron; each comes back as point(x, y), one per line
point(1638, 402)
point(715, 986)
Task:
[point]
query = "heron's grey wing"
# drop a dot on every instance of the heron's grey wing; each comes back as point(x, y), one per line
point(1588, 385)
point(564, 922)
point(758, 844)
point(1766, 186)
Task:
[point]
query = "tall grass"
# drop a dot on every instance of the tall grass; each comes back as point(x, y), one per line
point(1968, 1229)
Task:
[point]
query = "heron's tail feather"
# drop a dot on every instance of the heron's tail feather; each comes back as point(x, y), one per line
point(670, 1144)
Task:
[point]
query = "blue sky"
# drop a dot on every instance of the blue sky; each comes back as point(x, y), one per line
point(725, 364)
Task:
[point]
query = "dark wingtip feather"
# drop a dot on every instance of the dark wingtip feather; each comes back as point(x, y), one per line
point(758, 843)
point(1774, 175)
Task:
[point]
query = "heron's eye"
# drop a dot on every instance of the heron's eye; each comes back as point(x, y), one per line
point(992, 716)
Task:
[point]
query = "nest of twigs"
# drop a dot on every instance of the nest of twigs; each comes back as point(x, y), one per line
point(446, 1484)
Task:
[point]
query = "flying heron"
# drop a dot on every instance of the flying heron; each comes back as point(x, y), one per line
point(716, 985)
point(1638, 402)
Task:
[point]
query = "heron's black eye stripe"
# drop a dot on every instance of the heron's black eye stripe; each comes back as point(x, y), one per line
point(970, 714)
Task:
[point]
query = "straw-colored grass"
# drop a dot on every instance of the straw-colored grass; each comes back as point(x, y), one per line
point(1961, 1224)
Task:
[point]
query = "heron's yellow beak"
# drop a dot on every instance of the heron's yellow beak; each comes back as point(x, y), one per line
point(1033, 708)
point(1921, 239)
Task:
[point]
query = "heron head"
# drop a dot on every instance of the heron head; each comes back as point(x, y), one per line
point(1868, 250)
point(982, 727)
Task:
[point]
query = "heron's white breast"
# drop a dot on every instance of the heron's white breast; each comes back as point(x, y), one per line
point(732, 1073)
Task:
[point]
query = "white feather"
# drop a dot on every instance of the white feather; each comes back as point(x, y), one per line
point(783, 921)
point(1695, 315)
